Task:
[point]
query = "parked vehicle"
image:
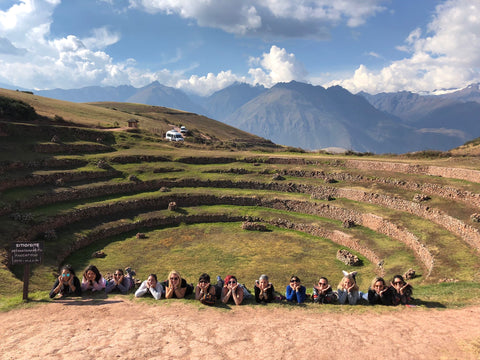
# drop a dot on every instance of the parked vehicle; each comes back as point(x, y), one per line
point(183, 130)
point(173, 135)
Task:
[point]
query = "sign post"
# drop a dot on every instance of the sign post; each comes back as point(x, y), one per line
point(26, 253)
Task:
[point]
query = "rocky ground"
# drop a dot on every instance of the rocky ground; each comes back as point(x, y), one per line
point(118, 328)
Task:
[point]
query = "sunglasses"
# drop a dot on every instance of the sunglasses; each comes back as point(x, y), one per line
point(63, 275)
point(232, 282)
point(203, 282)
point(322, 283)
point(295, 280)
point(174, 278)
point(397, 282)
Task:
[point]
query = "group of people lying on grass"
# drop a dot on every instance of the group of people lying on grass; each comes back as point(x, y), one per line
point(228, 290)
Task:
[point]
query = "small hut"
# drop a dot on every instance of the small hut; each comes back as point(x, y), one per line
point(133, 123)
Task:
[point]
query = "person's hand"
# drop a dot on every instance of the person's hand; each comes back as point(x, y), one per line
point(60, 285)
point(402, 289)
point(349, 289)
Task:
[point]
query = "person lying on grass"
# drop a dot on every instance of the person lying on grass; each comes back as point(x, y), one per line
point(204, 291)
point(323, 293)
point(347, 290)
point(120, 283)
point(264, 291)
point(379, 293)
point(92, 280)
point(403, 291)
point(176, 287)
point(67, 284)
point(295, 291)
point(232, 291)
point(151, 286)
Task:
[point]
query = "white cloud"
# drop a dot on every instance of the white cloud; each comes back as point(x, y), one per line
point(101, 38)
point(447, 55)
point(206, 85)
point(277, 66)
point(66, 62)
point(288, 18)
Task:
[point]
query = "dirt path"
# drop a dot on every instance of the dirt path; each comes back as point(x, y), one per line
point(123, 329)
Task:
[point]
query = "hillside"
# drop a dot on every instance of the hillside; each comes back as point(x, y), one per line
point(153, 119)
point(390, 123)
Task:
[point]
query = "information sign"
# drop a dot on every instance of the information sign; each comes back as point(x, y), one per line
point(26, 252)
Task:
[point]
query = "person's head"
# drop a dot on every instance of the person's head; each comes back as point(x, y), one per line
point(152, 280)
point(263, 280)
point(378, 284)
point(323, 282)
point(294, 280)
point(118, 274)
point(91, 273)
point(230, 280)
point(174, 277)
point(66, 273)
point(204, 278)
point(398, 281)
point(347, 282)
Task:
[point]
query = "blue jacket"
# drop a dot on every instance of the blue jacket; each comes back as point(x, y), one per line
point(297, 296)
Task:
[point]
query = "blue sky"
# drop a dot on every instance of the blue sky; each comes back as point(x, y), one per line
point(201, 46)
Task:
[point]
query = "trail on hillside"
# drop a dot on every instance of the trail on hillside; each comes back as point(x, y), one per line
point(117, 328)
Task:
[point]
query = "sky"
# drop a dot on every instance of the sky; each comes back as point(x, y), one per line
point(202, 46)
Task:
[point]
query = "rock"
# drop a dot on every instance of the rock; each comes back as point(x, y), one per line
point(348, 258)
point(172, 206)
point(141, 236)
point(247, 225)
point(410, 274)
point(102, 164)
point(420, 197)
point(475, 217)
point(348, 223)
point(98, 254)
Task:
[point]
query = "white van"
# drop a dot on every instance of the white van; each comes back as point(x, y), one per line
point(173, 135)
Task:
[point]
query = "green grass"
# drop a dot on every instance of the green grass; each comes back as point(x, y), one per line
point(218, 249)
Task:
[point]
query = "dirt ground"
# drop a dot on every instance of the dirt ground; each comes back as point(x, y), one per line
point(118, 328)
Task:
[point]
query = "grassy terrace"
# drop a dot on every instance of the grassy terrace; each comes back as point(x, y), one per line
point(302, 198)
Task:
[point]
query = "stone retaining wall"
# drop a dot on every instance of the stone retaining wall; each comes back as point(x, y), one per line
point(453, 173)
point(54, 148)
point(50, 163)
point(66, 177)
point(468, 233)
point(371, 221)
point(446, 192)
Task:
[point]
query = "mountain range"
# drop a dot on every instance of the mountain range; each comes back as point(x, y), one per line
point(312, 117)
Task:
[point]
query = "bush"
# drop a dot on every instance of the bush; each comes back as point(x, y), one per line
point(16, 110)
